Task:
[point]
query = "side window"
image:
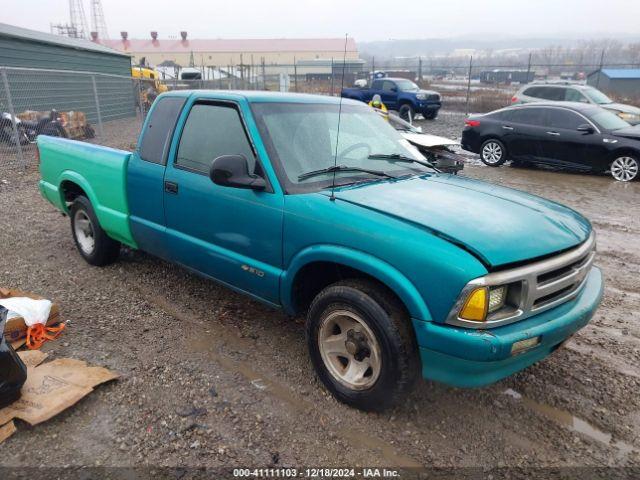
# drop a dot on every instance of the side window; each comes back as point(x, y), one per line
point(212, 130)
point(376, 85)
point(560, 118)
point(154, 143)
point(388, 86)
point(532, 92)
point(552, 93)
point(573, 95)
point(528, 116)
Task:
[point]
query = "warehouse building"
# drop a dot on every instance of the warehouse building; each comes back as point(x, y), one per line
point(187, 52)
point(622, 82)
point(43, 74)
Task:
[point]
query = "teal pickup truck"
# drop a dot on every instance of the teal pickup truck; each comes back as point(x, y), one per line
point(321, 208)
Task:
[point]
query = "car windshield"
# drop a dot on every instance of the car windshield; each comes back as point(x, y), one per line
point(301, 138)
point(597, 96)
point(609, 121)
point(407, 86)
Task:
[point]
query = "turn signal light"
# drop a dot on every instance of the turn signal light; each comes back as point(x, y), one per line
point(476, 305)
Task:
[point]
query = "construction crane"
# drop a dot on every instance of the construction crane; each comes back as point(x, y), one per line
point(77, 19)
point(98, 23)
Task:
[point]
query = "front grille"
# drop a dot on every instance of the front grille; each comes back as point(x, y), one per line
point(535, 287)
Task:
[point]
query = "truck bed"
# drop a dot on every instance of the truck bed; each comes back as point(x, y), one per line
point(99, 171)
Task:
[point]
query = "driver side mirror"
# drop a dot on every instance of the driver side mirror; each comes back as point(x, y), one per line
point(233, 171)
point(586, 129)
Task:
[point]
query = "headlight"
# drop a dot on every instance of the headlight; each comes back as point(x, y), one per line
point(421, 96)
point(629, 116)
point(483, 301)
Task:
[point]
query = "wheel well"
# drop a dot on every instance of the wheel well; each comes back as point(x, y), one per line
point(315, 276)
point(71, 191)
point(623, 151)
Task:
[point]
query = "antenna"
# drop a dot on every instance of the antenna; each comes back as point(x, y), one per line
point(335, 157)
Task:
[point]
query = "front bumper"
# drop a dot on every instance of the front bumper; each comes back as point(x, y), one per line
point(424, 107)
point(465, 357)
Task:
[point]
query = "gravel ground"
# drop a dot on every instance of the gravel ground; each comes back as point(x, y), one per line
point(213, 379)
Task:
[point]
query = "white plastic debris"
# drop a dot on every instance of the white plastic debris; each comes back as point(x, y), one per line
point(32, 311)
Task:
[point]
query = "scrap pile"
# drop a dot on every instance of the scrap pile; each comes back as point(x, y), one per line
point(30, 390)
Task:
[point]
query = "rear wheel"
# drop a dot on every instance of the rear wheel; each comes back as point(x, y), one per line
point(493, 152)
point(625, 168)
point(361, 344)
point(93, 243)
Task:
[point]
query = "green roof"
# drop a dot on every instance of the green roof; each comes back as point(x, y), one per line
point(60, 40)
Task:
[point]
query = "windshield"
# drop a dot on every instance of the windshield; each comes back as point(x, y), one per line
point(407, 86)
point(301, 138)
point(597, 96)
point(609, 121)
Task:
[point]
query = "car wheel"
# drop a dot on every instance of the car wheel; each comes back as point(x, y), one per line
point(493, 153)
point(93, 243)
point(407, 112)
point(625, 168)
point(362, 345)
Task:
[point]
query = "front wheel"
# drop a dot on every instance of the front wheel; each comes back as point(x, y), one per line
point(625, 168)
point(93, 243)
point(406, 112)
point(493, 153)
point(361, 344)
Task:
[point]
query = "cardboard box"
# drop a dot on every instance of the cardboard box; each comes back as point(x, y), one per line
point(15, 329)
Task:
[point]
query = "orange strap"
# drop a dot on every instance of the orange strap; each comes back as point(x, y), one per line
point(38, 334)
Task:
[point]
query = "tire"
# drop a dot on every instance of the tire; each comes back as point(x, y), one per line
point(493, 152)
point(379, 345)
point(625, 168)
point(94, 245)
point(406, 112)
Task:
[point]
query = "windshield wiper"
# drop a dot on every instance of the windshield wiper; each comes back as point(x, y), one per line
point(396, 157)
point(343, 168)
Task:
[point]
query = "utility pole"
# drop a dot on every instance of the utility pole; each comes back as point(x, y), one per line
point(469, 83)
point(600, 69)
point(529, 67)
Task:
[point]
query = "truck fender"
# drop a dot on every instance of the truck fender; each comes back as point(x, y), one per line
point(71, 176)
point(373, 266)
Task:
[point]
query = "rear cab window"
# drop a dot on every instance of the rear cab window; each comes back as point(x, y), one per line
point(155, 140)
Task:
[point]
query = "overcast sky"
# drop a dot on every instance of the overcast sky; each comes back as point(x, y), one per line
point(363, 19)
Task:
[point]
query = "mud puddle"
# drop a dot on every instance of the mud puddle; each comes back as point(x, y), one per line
point(573, 423)
point(210, 343)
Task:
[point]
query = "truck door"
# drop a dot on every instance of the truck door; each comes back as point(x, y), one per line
point(233, 235)
point(145, 175)
point(389, 94)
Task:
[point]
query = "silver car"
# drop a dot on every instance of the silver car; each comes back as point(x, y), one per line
point(567, 92)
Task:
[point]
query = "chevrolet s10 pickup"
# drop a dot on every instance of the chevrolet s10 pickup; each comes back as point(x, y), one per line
point(321, 208)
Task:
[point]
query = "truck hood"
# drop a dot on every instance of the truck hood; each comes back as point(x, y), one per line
point(498, 225)
point(427, 140)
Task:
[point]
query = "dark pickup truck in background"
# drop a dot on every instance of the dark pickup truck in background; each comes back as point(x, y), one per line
point(399, 94)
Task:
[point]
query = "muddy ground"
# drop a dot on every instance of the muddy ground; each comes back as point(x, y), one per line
point(210, 378)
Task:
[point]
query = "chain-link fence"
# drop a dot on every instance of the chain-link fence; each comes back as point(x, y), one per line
point(84, 105)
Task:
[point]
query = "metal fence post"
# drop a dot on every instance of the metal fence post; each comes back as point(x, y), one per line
point(469, 83)
point(295, 74)
point(332, 76)
point(529, 68)
point(600, 68)
point(16, 136)
point(420, 69)
point(95, 96)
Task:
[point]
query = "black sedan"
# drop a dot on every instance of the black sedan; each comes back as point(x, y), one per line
point(562, 134)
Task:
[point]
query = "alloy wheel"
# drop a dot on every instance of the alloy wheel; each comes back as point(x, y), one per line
point(624, 169)
point(492, 152)
point(349, 350)
point(83, 229)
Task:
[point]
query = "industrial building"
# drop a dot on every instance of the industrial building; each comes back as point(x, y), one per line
point(21, 47)
point(187, 52)
point(44, 72)
point(623, 82)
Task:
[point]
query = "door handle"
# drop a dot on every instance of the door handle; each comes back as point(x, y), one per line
point(507, 127)
point(555, 134)
point(171, 187)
